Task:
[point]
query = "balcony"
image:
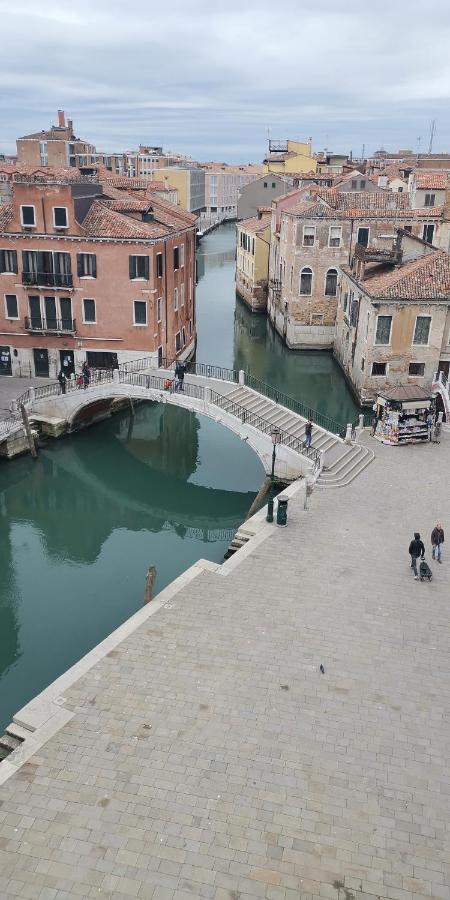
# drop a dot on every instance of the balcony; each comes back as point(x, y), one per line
point(275, 286)
point(50, 325)
point(47, 279)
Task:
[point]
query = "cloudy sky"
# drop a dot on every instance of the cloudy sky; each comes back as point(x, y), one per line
point(209, 78)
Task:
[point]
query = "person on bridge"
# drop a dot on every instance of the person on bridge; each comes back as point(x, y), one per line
point(86, 373)
point(62, 378)
point(308, 434)
point(437, 539)
point(416, 549)
point(180, 371)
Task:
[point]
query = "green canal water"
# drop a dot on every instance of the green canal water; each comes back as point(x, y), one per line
point(80, 526)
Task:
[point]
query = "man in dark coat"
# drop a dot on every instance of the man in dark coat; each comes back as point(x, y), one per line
point(437, 539)
point(416, 549)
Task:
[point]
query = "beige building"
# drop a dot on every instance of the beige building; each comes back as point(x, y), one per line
point(393, 316)
point(427, 188)
point(286, 157)
point(252, 261)
point(189, 182)
point(318, 235)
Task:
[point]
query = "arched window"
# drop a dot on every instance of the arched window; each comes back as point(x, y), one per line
point(306, 281)
point(331, 283)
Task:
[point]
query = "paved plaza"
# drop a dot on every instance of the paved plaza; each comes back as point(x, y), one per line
point(208, 756)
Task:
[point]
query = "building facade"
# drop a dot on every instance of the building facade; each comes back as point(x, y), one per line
point(189, 181)
point(252, 261)
point(287, 157)
point(58, 146)
point(87, 276)
point(260, 192)
point(393, 317)
point(223, 185)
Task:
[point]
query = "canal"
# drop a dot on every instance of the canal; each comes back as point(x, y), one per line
point(81, 525)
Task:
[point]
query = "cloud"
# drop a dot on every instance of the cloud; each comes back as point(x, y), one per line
point(208, 79)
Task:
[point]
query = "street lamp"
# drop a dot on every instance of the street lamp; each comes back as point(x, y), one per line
point(276, 439)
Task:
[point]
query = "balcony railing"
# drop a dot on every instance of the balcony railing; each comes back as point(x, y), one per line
point(47, 279)
point(41, 323)
point(275, 286)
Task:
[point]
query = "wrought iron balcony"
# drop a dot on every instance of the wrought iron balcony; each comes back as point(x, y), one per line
point(47, 279)
point(275, 286)
point(56, 326)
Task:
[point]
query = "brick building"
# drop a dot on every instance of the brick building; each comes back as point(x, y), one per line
point(393, 316)
point(318, 234)
point(88, 272)
point(57, 146)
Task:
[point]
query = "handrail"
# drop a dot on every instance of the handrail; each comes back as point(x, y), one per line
point(295, 405)
point(249, 418)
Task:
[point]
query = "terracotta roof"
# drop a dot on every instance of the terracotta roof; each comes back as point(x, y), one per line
point(128, 204)
point(169, 213)
point(12, 169)
point(426, 278)
point(405, 392)
point(332, 203)
point(102, 221)
point(434, 180)
point(6, 212)
point(255, 224)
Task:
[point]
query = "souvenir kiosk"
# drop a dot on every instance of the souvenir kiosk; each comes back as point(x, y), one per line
point(402, 414)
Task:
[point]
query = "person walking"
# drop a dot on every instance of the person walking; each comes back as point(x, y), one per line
point(86, 373)
point(62, 378)
point(437, 539)
point(181, 374)
point(416, 550)
point(308, 435)
point(430, 423)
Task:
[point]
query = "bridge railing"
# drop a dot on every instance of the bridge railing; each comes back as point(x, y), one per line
point(249, 418)
point(156, 382)
point(295, 406)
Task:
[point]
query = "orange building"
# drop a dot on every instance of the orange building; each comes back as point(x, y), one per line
point(88, 272)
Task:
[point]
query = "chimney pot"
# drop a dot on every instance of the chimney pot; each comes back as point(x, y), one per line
point(61, 118)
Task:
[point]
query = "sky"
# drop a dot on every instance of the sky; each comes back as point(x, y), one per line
point(209, 79)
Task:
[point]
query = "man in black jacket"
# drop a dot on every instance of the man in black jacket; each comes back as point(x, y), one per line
point(416, 549)
point(437, 539)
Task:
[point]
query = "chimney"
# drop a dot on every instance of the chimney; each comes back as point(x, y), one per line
point(70, 125)
point(61, 119)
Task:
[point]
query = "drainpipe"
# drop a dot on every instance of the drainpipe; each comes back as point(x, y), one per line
point(165, 300)
point(351, 242)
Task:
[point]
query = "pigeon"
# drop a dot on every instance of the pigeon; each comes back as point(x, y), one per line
point(322, 669)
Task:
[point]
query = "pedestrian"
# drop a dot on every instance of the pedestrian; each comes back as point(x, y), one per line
point(308, 435)
point(430, 423)
point(177, 376)
point(437, 539)
point(416, 549)
point(62, 378)
point(374, 425)
point(86, 373)
point(181, 374)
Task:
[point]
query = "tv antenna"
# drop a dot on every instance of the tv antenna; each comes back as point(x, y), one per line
point(432, 133)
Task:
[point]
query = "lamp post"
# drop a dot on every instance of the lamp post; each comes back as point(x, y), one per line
point(276, 439)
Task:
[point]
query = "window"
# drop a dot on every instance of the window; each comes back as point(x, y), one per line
point(140, 312)
point(400, 190)
point(89, 311)
point(43, 153)
point(159, 265)
point(378, 368)
point(383, 332)
point(362, 364)
point(306, 281)
point(8, 261)
point(175, 298)
point(190, 289)
point(345, 301)
point(416, 368)
point(182, 294)
point(178, 341)
point(331, 283)
point(181, 256)
point(430, 199)
point(422, 330)
point(139, 267)
point(408, 228)
point(158, 309)
point(60, 217)
point(11, 305)
point(309, 235)
point(362, 183)
point(27, 216)
point(176, 259)
point(273, 184)
point(428, 233)
point(354, 184)
point(265, 184)
point(363, 236)
point(335, 236)
point(86, 265)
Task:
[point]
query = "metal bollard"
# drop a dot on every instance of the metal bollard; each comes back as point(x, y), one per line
point(282, 511)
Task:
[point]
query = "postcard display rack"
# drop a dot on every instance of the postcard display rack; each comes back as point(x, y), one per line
point(402, 422)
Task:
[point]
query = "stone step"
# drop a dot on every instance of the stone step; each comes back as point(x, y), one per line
point(342, 462)
point(353, 468)
point(18, 731)
point(9, 743)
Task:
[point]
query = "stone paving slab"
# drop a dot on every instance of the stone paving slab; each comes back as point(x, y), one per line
point(207, 756)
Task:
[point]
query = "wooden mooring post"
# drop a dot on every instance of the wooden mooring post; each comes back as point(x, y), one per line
point(149, 584)
point(26, 425)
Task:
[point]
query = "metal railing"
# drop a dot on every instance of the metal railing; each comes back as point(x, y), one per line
point(41, 323)
point(158, 383)
point(210, 371)
point(47, 279)
point(250, 418)
point(294, 405)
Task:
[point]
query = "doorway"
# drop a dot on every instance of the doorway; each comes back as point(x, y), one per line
point(40, 357)
point(444, 366)
point(67, 361)
point(363, 237)
point(5, 361)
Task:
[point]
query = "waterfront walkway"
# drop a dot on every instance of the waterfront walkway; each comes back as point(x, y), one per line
point(206, 755)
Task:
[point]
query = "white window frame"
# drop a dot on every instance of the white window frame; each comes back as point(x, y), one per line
point(141, 277)
point(89, 321)
point(159, 309)
point(335, 246)
point(379, 362)
point(313, 229)
point(177, 349)
point(67, 217)
point(182, 290)
point(377, 343)
point(175, 298)
point(11, 318)
point(420, 344)
point(181, 256)
point(306, 270)
point(425, 227)
point(27, 206)
point(140, 324)
point(190, 292)
point(162, 265)
point(176, 247)
point(90, 277)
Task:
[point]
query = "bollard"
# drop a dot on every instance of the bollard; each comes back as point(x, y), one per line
point(241, 377)
point(361, 420)
point(348, 434)
point(282, 511)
